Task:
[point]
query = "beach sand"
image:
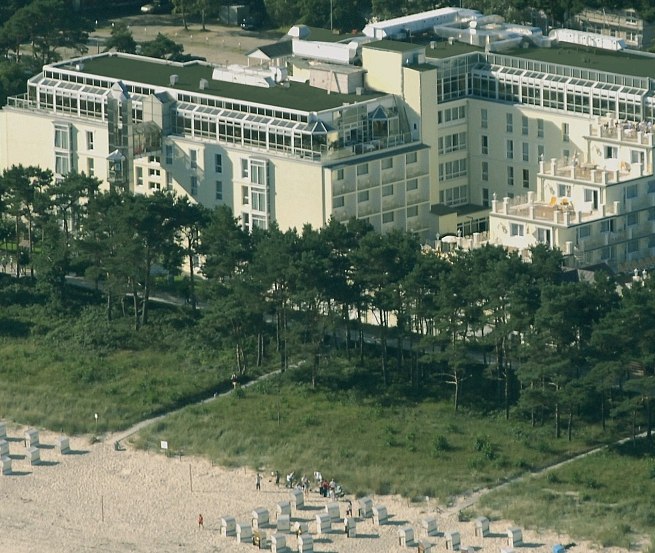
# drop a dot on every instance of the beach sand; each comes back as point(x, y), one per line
point(97, 499)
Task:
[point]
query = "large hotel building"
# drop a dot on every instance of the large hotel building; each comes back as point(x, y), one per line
point(446, 123)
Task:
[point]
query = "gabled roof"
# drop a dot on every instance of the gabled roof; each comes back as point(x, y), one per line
point(272, 51)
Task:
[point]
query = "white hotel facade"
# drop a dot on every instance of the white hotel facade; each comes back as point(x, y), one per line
point(492, 131)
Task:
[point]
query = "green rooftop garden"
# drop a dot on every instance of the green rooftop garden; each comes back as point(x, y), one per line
point(149, 71)
point(592, 58)
point(392, 45)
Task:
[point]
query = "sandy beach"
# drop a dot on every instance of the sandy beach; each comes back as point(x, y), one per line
point(97, 499)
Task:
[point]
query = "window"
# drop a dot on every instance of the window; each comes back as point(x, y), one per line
point(452, 143)
point(611, 152)
point(584, 232)
point(452, 169)
point(411, 158)
point(362, 196)
point(651, 186)
point(605, 252)
point(526, 151)
point(193, 156)
point(540, 152)
point(387, 163)
point(169, 154)
point(412, 211)
point(516, 229)
point(244, 169)
point(543, 235)
point(412, 184)
point(485, 197)
point(510, 149)
point(169, 181)
point(194, 185)
point(526, 178)
point(338, 202)
point(387, 217)
point(540, 128)
point(524, 125)
point(154, 172)
point(564, 190)
point(218, 163)
point(258, 199)
point(510, 176)
point(139, 176)
point(565, 132)
point(219, 190)
point(631, 191)
point(387, 190)
point(484, 144)
point(451, 114)
point(485, 171)
point(633, 246)
point(458, 195)
point(61, 138)
point(607, 225)
point(588, 195)
point(509, 122)
point(154, 186)
point(339, 175)
point(153, 159)
point(89, 140)
point(245, 195)
point(566, 154)
point(90, 167)
point(484, 119)
point(632, 219)
point(62, 163)
point(258, 172)
point(362, 169)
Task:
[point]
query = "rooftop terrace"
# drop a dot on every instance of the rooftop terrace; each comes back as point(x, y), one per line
point(149, 71)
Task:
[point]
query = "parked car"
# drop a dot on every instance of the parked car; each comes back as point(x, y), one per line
point(155, 7)
point(249, 24)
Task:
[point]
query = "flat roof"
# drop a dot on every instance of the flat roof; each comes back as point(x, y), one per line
point(622, 63)
point(393, 45)
point(443, 49)
point(153, 72)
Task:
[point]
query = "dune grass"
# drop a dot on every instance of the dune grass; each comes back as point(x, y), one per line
point(608, 497)
point(390, 444)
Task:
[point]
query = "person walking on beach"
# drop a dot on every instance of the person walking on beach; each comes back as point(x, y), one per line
point(201, 522)
point(258, 482)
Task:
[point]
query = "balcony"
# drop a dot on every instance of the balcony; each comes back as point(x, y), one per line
point(585, 172)
point(632, 133)
point(562, 214)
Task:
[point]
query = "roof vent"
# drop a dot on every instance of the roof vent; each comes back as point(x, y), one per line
point(204, 83)
point(359, 90)
point(173, 80)
point(79, 66)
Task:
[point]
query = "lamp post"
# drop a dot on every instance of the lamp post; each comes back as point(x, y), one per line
point(331, 26)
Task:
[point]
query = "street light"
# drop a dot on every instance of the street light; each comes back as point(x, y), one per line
point(331, 27)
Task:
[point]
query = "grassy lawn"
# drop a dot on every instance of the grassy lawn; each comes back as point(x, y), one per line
point(608, 497)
